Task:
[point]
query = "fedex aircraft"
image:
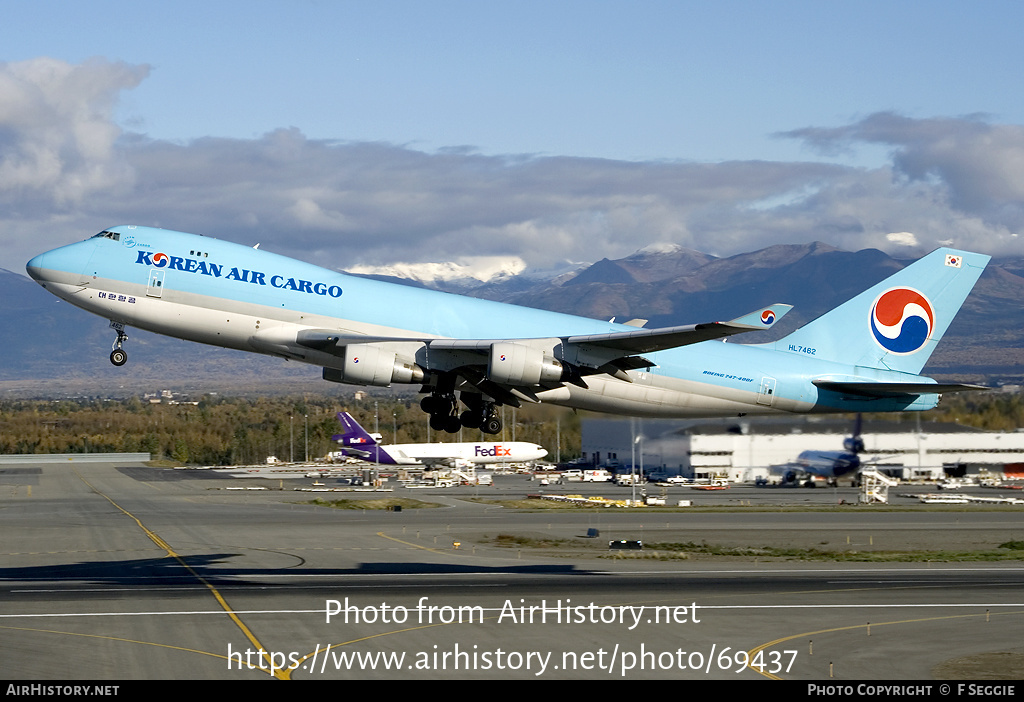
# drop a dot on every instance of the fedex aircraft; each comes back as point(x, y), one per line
point(863, 356)
point(358, 443)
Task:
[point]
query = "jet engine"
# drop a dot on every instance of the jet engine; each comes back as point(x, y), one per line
point(516, 364)
point(365, 364)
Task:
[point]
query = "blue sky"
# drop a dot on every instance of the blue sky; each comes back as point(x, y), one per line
point(545, 131)
point(637, 81)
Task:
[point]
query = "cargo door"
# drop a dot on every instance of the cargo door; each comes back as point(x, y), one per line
point(156, 282)
point(766, 395)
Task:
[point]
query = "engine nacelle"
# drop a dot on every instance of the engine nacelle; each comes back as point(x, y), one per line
point(854, 444)
point(366, 364)
point(516, 364)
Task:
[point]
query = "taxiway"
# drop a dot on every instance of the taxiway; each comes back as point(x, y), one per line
point(120, 572)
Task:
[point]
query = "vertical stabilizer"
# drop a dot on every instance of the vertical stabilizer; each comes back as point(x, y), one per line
point(358, 443)
point(896, 324)
point(354, 435)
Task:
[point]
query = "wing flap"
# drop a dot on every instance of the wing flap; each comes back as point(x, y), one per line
point(334, 342)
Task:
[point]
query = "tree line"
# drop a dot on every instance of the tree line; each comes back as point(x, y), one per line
point(221, 430)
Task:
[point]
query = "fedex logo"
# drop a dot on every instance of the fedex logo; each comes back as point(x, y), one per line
point(495, 450)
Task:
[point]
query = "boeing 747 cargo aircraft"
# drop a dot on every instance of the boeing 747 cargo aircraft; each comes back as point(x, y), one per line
point(863, 356)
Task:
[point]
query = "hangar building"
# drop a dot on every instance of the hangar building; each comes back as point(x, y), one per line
point(744, 449)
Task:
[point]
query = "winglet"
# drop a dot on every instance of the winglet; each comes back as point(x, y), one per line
point(764, 318)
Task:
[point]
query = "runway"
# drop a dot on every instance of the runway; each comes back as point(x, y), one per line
point(114, 572)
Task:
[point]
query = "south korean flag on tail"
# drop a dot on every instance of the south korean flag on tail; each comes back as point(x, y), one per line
point(954, 261)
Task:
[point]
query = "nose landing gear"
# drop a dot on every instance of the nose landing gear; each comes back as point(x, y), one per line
point(119, 356)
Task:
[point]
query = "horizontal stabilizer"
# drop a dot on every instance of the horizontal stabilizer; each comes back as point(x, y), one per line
point(355, 453)
point(882, 389)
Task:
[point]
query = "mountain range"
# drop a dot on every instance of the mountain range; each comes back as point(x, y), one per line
point(48, 341)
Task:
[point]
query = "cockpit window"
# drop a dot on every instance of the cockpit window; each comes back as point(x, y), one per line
point(116, 236)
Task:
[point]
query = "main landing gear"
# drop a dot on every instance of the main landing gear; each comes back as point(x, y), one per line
point(443, 409)
point(119, 356)
point(480, 414)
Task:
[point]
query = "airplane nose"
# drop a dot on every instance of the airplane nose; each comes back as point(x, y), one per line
point(36, 266)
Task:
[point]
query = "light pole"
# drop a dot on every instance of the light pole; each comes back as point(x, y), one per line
point(632, 446)
point(558, 439)
point(632, 470)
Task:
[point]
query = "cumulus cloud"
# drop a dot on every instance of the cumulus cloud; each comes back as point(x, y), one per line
point(968, 166)
point(903, 239)
point(57, 133)
point(67, 170)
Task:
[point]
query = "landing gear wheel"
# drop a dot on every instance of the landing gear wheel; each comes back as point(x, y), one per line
point(491, 425)
point(443, 410)
point(470, 419)
point(117, 355)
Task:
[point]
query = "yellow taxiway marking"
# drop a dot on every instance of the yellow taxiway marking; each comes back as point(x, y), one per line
point(409, 543)
point(754, 651)
point(171, 554)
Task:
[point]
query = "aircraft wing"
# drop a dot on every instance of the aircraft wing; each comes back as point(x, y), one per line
point(650, 340)
point(789, 472)
point(627, 343)
point(404, 457)
point(514, 369)
point(434, 462)
point(784, 468)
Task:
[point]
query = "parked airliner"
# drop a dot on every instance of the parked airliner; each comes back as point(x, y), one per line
point(356, 442)
point(863, 356)
point(827, 465)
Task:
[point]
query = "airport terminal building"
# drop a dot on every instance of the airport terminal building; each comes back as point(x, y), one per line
point(744, 449)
